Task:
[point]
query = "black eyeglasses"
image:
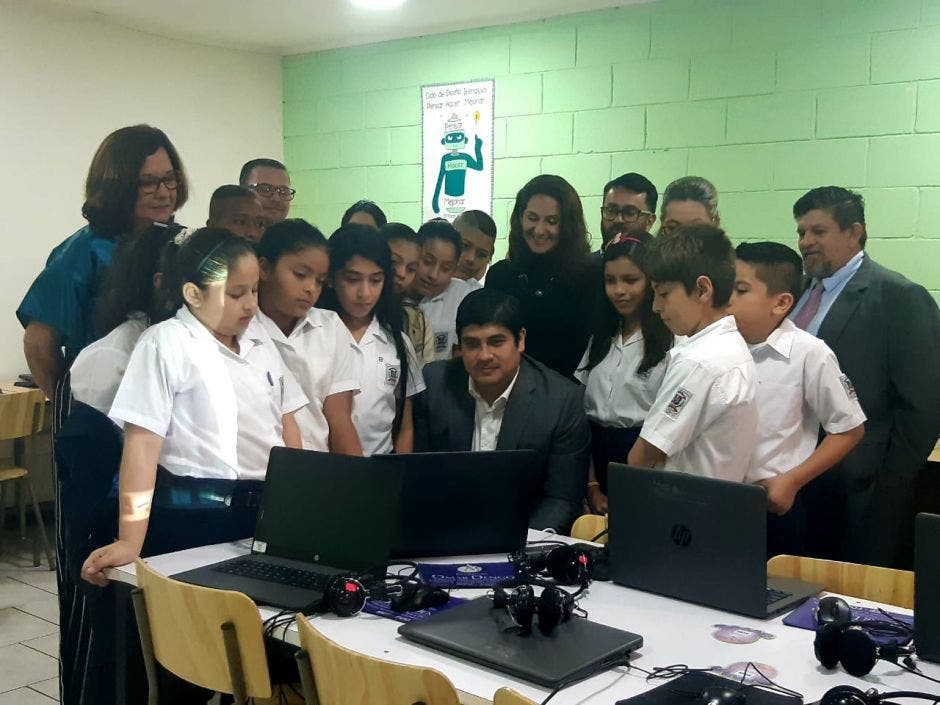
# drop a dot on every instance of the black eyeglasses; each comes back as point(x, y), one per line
point(270, 189)
point(151, 184)
point(610, 212)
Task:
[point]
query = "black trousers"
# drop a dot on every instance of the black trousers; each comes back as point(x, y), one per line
point(610, 445)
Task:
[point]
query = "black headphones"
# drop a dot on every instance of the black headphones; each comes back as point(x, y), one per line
point(566, 564)
point(345, 596)
point(553, 605)
point(850, 695)
point(841, 640)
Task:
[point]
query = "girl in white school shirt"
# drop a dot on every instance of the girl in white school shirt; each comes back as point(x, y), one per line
point(623, 366)
point(314, 343)
point(206, 397)
point(361, 293)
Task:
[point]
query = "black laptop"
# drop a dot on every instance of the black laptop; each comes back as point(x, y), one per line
point(696, 539)
point(927, 587)
point(483, 634)
point(322, 515)
point(455, 504)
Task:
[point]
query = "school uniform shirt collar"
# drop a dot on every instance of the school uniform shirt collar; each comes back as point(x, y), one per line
point(440, 297)
point(725, 324)
point(500, 401)
point(376, 331)
point(780, 340)
point(308, 322)
point(199, 331)
point(635, 337)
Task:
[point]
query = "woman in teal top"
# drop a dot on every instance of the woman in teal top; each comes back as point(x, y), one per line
point(136, 178)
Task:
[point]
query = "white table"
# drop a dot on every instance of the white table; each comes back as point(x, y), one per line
point(673, 632)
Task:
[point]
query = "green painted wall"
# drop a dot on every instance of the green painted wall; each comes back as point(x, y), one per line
point(767, 98)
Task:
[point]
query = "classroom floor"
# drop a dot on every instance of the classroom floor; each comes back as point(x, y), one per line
point(29, 626)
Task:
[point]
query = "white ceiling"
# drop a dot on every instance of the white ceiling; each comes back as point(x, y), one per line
point(296, 26)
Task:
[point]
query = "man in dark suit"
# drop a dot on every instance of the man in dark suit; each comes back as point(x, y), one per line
point(494, 398)
point(884, 330)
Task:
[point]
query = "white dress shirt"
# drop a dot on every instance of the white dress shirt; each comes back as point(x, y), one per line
point(800, 388)
point(380, 369)
point(488, 418)
point(441, 312)
point(321, 354)
point(615, 394)
point(833, 286)
point(99, 368)
point(705, 418)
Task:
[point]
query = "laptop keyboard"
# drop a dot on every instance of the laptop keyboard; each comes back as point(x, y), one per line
point(774, 595)
point(282, 575)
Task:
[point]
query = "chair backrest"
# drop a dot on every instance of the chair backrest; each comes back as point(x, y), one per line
point(345, 677)
point(21, 414)
point(869, 582)
point(587, 526)
point(186, 628)
point(508, 696)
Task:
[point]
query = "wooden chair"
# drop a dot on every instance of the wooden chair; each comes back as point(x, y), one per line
point(508, 696)
point(587, 526)
point(22, 415)
point(338, 676)
point(888, 585)
point(210, 638)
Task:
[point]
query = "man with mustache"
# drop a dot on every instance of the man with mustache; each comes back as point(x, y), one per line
point(884, 330)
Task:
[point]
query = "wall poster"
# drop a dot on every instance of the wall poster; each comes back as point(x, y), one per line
point(457, 149)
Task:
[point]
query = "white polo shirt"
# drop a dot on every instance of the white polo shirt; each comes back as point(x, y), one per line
point(96, 373)
point(488, 419)
point(380, 369)
point(615, 394)
point(321, 354)
point(800, 388)
point(209, 404)
point(441, 312)
point(705, 418)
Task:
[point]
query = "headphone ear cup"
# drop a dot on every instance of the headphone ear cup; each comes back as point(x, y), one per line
point(826, 645)
point(834, 610)
point(569, 565)
point(435, 597)
point(500, 596)
point(858, 651)
point(522, 607)
point(551, 609)
point(344, 596)
point(844, 695)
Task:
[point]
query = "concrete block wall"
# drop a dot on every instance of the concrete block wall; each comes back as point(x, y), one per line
point(766, 98)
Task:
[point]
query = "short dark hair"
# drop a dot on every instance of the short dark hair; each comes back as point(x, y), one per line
point(364, 206)
point(485, 307)
point(111, 187)
point(479, 220)
point(638, 184)
point(778, 266)
point(249, 165)
point(440, 229)
point(398, 231)
point(288, 237)
point(846, 207)
point(691, 252)
point(226, 193)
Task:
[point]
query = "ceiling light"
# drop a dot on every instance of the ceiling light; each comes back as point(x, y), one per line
point(378, 4)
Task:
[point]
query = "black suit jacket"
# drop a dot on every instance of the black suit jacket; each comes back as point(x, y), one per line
point(545, 413)
point(884, 330)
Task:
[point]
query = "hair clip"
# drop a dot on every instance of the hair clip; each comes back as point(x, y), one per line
point(621, 238)
point(182, 236)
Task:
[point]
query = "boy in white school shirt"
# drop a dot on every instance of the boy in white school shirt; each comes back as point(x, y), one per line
point(441, 292)
point(800, 388)
point(704, 418)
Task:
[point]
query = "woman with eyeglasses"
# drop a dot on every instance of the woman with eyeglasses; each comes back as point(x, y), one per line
point(548, 269)
point(136, 178)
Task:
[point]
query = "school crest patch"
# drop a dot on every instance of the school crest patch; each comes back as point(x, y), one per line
point(678, 402)
point(391, 374)
point(849, 387)
point(440, 342)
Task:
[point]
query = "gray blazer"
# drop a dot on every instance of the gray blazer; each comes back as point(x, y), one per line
point(885, 332)
point(545, 413)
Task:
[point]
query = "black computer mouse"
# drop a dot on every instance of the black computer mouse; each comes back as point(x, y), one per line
point(722, 696)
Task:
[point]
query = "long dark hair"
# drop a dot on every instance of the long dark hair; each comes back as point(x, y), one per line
point(366, 242)
point(657, 339)
point(570, 255)
point(129, 282)
point(111, 186)
point(203, 259)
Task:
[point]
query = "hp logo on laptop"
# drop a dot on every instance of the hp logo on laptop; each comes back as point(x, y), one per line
point(681, 535)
